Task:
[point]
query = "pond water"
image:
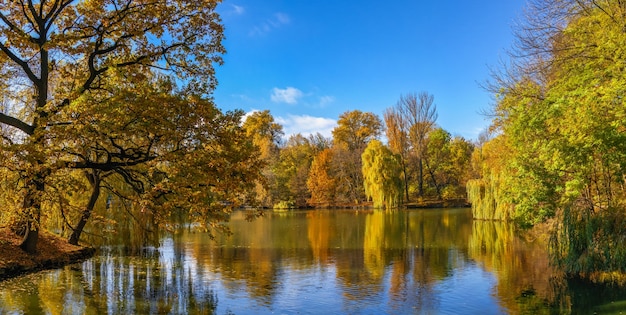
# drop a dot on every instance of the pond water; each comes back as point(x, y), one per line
point(319, 262)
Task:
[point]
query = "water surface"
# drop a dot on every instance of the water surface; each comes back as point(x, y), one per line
point(436, 261)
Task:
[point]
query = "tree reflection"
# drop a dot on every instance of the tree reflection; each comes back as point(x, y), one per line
point(368, 261)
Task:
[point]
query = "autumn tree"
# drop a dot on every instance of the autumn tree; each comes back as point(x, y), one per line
point(417, 114)
point(292, 170)
point(487, 192)
point(560, 110)
point(60, 51)
point(447, 162)
point(459, 168)
point(266, 134)
point(353, 132)
point(397, 132)
point(321, 181)
point(355, 129)
point(381, 173)
point(157, 131)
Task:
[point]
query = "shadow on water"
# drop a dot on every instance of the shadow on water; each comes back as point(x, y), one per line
point(357, 262)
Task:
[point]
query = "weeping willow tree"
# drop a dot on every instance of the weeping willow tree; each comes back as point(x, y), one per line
point(486, 193)
point(483, 195)
point(382, 176)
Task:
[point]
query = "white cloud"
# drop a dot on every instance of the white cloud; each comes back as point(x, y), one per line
point(306, 125)
point(290, 95)
point(325, 100)
point(239, 10)
point(281, 19)
point(276, 21)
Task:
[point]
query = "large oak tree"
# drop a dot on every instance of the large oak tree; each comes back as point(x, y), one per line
point(56, 55)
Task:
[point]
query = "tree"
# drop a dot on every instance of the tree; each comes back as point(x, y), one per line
point(354, 130)
point(321, 181)
point(292, 170)
point(156, 131)
point(397, 136)
point(561, 115)
point(419, 114)
point(459, 168)
point(381, 173)
point(487, 192)
point(266, 135)
point(437, 158)
point(61, 51)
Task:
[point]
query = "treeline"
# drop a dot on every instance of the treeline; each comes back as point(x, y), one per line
point(556, 156)
point(106, 118)
point(419, 162)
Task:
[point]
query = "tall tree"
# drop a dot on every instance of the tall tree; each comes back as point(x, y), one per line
point(266, 134)
point(419, 114)
point(397, 132)
point(437, 158)
point(356, 128)
point(353, 132)
point(61, 50)
point(561, 113)
point(322, 182)
point(292, 170)
point(154, 132)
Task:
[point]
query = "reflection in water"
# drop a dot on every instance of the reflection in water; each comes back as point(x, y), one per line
point(425, 261)
point(154, 283)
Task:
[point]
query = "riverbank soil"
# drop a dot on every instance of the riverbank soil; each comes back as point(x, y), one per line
point(52, 252)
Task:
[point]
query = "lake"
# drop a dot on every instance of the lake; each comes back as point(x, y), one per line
point(432, 261)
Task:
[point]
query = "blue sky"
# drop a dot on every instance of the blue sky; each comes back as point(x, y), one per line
point(310, 61)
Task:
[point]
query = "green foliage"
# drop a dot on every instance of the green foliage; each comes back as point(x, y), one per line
point(587, 242)
point(285, 205)
point(561, 116)
point(292, 170)
point(447, 163)
point(381, 173)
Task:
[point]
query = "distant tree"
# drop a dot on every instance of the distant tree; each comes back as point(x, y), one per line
point(437, 158)
point(321, 181)
point(292, 170)
point(381, 173)
point(264, 132)
point(420, 114)
point(354, 130)
point(266, 135)
point(460, 168)
point(319, 142)
point(447, 162)
point(397, 132)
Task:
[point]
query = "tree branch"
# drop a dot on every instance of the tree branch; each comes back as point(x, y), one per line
point(14, 122)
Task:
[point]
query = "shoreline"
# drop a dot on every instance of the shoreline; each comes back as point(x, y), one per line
point(52, 252)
